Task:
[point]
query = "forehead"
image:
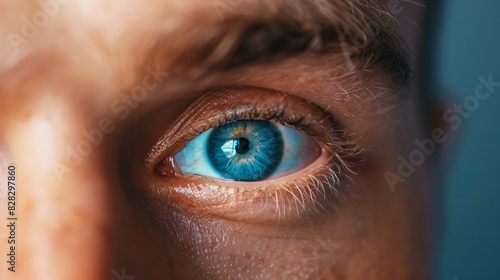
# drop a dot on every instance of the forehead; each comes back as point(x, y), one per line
point(133, 24)
point(35, 24)
point(106, 43)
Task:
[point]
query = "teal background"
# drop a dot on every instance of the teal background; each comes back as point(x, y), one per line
point(467, 46)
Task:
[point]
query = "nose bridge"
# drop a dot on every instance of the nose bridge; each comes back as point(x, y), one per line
point(62, 209)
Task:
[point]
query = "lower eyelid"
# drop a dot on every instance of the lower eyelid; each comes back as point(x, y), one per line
point(284, 200)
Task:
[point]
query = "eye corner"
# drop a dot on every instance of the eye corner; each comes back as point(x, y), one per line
point(167, 167)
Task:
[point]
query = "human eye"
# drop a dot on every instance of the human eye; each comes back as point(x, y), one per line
point(248, 150)
point(252, 155)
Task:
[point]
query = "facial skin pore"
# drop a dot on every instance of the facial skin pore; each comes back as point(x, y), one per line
point(89, 94)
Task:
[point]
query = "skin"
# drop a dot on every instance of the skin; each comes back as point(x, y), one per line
point(89, 216)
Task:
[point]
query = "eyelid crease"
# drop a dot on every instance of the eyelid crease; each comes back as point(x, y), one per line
point(228, 104)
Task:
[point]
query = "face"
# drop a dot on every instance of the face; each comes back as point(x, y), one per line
point(212, 140)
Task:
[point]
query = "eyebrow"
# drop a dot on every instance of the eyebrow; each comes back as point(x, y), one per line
point(366, 33)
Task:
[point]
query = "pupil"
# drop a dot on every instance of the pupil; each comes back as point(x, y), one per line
point(242, 146)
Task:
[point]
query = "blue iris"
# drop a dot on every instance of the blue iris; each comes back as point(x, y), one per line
point(247, 150)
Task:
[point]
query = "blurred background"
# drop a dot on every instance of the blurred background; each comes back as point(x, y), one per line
point(467, 45)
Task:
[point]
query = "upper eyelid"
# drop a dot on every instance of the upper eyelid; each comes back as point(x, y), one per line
point(197, 116)
point(323, 79)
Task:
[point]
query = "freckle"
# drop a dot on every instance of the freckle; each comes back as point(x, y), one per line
point(27, 115)
point(334, 272)
point(248, 256)
point(28, 208)
point(304, 250)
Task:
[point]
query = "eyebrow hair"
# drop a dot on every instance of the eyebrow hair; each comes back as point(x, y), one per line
point(365, 33)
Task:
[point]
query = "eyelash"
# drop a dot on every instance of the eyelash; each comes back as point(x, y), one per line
point(316, 188)
point(278, 115)
point(320, 184)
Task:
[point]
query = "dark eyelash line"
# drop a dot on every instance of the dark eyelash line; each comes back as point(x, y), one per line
point(278, 113)
point(319, 124)
point(336, 138)
point(309, 118)
point(275, 114)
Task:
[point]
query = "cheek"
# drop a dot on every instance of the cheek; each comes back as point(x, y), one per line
point(369, 232)
point(216, 248)
point(65, 206)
